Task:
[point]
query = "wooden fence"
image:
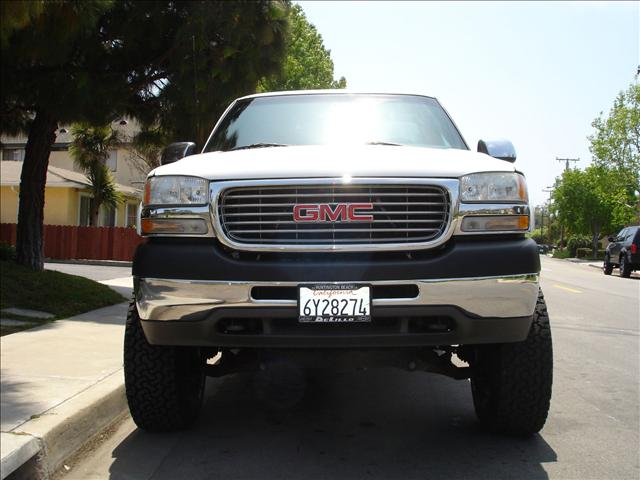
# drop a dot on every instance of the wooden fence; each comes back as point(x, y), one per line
point(82, 243)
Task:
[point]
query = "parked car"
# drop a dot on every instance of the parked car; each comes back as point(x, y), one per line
point(623, 251)
point(543, 249)
point(324, 228)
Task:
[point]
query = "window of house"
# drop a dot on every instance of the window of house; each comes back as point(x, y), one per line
point(13, 154)
point(132, 214)
point(112, 160)
point(107, 217)
point(86, 207)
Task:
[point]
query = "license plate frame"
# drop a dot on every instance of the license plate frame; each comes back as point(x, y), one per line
point(341, 291)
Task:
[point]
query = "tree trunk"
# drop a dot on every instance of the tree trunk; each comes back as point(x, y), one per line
point(95, 214)
point(29, 239)
point(594, 243)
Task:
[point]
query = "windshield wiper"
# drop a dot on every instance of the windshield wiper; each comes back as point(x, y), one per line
point(260, 145)
point(384, 143)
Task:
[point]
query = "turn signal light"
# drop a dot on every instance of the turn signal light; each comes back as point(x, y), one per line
point(187, 226)
point(495, 223)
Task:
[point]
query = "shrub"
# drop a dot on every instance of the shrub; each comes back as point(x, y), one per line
point(587, 253)
point(7, 251)
point(537, 236)
point(557, 253)
point(577, 241)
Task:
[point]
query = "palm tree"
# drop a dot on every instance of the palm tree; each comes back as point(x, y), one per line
point(90, 150)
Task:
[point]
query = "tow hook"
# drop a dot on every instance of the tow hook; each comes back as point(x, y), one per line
point(438, 361)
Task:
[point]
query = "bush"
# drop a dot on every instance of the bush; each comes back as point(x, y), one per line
point(7, 251)
point(577, 241)
point(557, 253)
point(583, 253)
point(586, 253)
point(537, 236)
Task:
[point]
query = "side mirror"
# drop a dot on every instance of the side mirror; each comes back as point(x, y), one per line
point(177, 151)
point(502, 149)
point(611, 238)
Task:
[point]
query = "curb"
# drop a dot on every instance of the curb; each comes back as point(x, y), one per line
point(59, 432)
point(16, 450)
point(101, 263)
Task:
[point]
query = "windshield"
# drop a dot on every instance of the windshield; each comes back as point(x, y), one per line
point(335, 119)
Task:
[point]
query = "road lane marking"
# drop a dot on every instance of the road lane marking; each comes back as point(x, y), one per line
point(572, 290)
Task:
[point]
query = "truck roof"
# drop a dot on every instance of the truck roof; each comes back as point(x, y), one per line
point(341, 91)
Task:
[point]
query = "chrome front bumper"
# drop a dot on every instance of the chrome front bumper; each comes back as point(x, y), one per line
point(508, 296)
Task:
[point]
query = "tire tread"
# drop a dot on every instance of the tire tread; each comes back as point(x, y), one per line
point(159, 381)
point(520, 377)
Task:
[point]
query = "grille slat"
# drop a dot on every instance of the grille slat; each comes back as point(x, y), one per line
point(337, 230)
point(339, 240)
point(277, 195)
point(262, 205)
point(399, 214)
point(286, 222)
point(263, 214)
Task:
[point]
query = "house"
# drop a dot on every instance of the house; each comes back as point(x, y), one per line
point(67, 198)
point(67, 195)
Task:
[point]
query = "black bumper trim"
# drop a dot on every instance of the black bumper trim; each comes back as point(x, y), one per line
point(466, 329)
point(459, 259)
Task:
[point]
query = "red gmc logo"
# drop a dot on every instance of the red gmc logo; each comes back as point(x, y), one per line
point(324, 212)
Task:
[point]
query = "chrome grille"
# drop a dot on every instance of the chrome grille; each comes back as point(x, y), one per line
point(401, 214)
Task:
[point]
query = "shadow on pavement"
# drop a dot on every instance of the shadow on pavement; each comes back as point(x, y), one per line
point(367, 424)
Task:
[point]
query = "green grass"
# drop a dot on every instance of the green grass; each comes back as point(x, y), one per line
point(58, 293)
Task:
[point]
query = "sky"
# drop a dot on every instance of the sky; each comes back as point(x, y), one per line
point(535, 73)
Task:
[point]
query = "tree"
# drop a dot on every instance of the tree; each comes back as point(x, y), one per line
point(145, 148)
point(590, 201)
point(90, 150)
point(615, 146)
point(221, 55)
point(604, 197)
point(95, 60)
point(16, 15)
point(43, 51)
point(616, 141)
point(308, 63)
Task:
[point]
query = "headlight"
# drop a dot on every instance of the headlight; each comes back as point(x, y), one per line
point(493, 187)
point(176, 190)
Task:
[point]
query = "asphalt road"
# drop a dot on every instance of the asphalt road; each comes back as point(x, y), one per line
point(388, 424)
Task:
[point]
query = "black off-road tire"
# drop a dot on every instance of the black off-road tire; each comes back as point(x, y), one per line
point(511, 382)
point(608, 266)
point(164, 384)
point(625, 266)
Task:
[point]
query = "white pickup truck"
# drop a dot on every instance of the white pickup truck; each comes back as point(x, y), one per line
point(325, 227)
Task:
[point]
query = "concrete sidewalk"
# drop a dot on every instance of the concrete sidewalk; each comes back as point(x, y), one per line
point(62, 383)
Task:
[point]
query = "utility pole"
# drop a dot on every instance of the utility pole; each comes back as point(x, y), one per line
point(566, 167)
point(566, 161)
point(546, 190)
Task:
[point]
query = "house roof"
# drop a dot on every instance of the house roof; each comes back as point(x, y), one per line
point(126, 127)
point(56, 177)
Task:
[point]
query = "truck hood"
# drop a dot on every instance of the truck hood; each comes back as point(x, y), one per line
point(333, 161)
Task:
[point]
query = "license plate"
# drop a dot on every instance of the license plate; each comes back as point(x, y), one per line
point(334, 303)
